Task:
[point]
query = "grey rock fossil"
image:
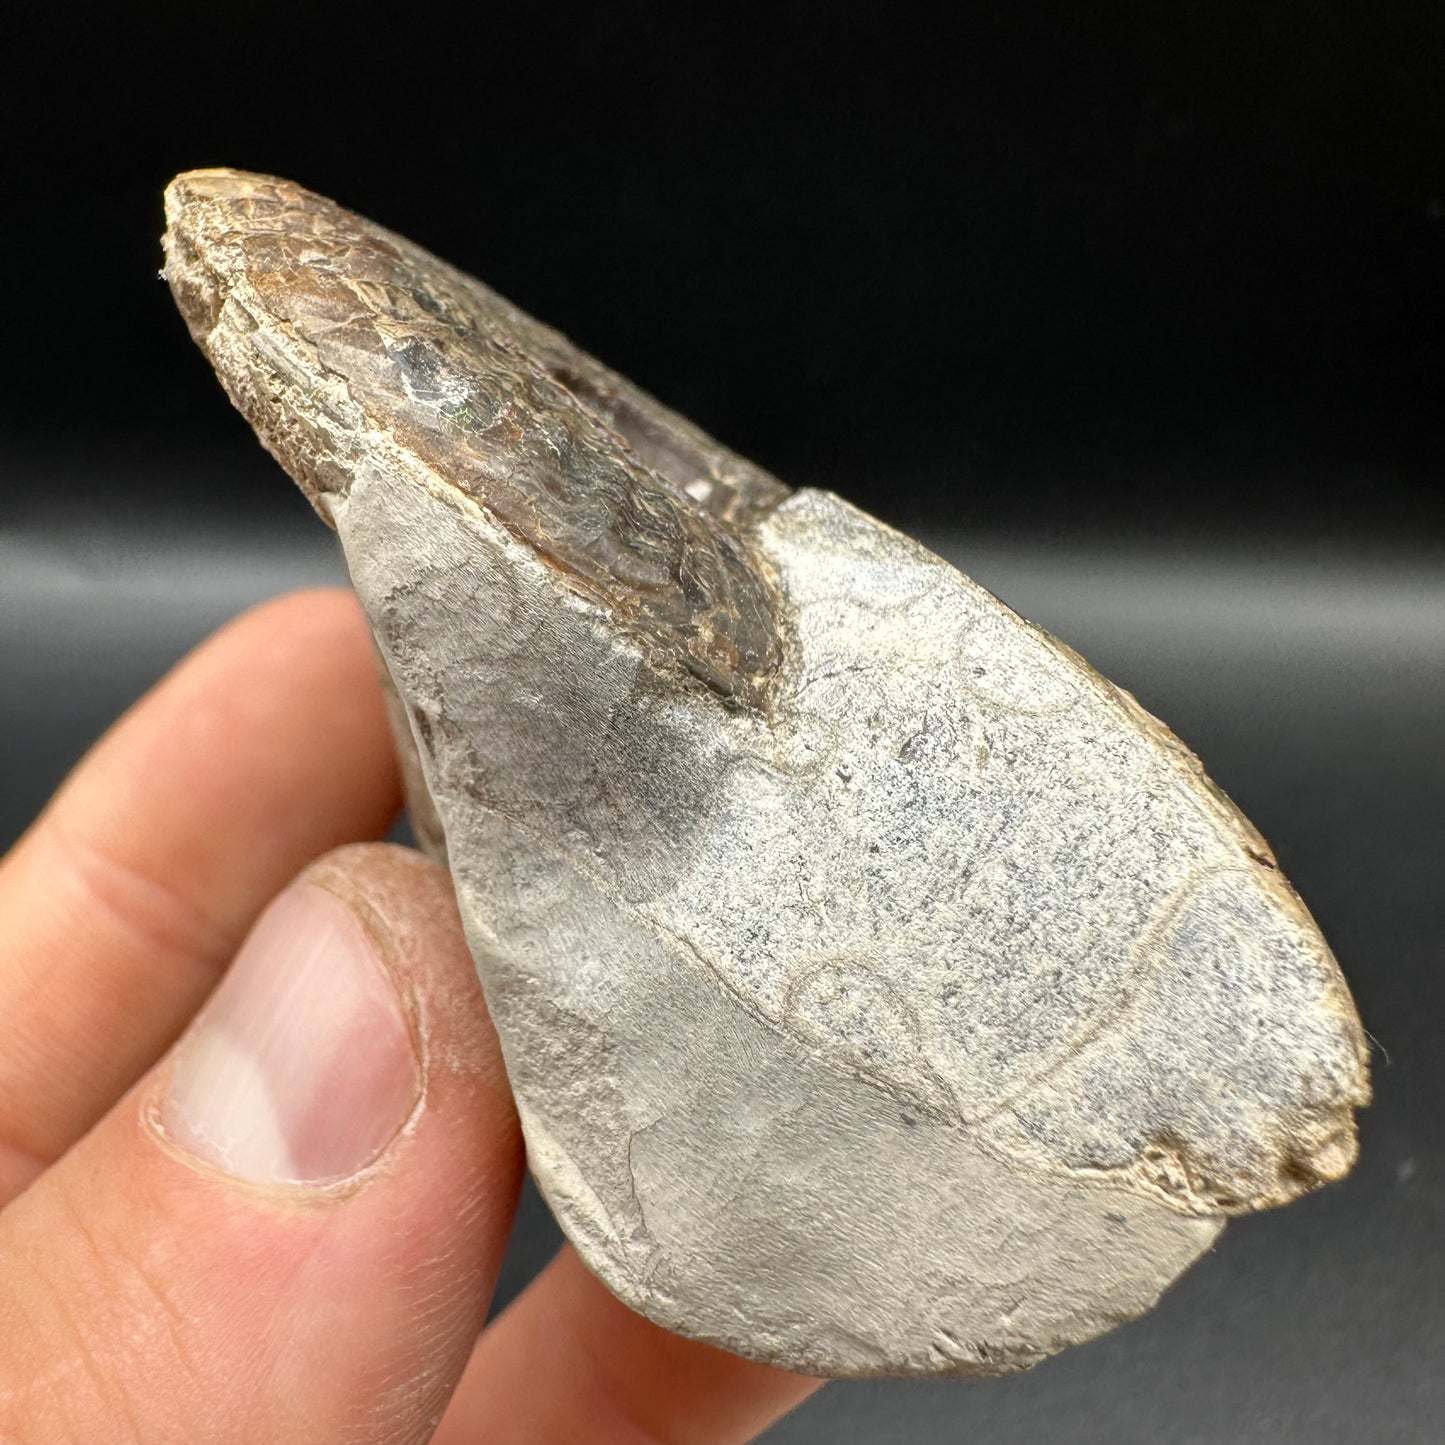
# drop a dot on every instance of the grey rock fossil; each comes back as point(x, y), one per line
point(883, 990)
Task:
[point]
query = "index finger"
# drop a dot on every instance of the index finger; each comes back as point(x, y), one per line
point(125, 899)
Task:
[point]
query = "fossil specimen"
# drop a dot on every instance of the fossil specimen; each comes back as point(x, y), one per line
point(882, 989)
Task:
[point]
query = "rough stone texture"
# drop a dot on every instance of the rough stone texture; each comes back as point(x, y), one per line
point(883, 990)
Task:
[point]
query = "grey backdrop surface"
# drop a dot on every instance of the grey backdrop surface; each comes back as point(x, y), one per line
point(1312, 682)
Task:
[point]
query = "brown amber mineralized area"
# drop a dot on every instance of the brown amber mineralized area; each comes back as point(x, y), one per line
point(643, 513)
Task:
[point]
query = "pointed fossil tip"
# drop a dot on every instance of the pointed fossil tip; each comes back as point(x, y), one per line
point(190, 267)
point(192, 189)
point(191, 186)
point(210, 213)
point(214, 181)
point(201, 257)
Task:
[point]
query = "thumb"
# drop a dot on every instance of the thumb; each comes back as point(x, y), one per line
point(291, 1229)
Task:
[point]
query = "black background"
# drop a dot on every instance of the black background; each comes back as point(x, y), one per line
point(1135, 311)
point(1135, 265)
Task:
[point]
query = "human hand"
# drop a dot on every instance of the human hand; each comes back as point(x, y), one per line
point(286, 1226)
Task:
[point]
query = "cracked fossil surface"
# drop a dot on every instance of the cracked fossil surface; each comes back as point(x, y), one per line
point(882, 989)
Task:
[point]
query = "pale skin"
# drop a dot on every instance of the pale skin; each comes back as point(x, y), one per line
point(147, 1296)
